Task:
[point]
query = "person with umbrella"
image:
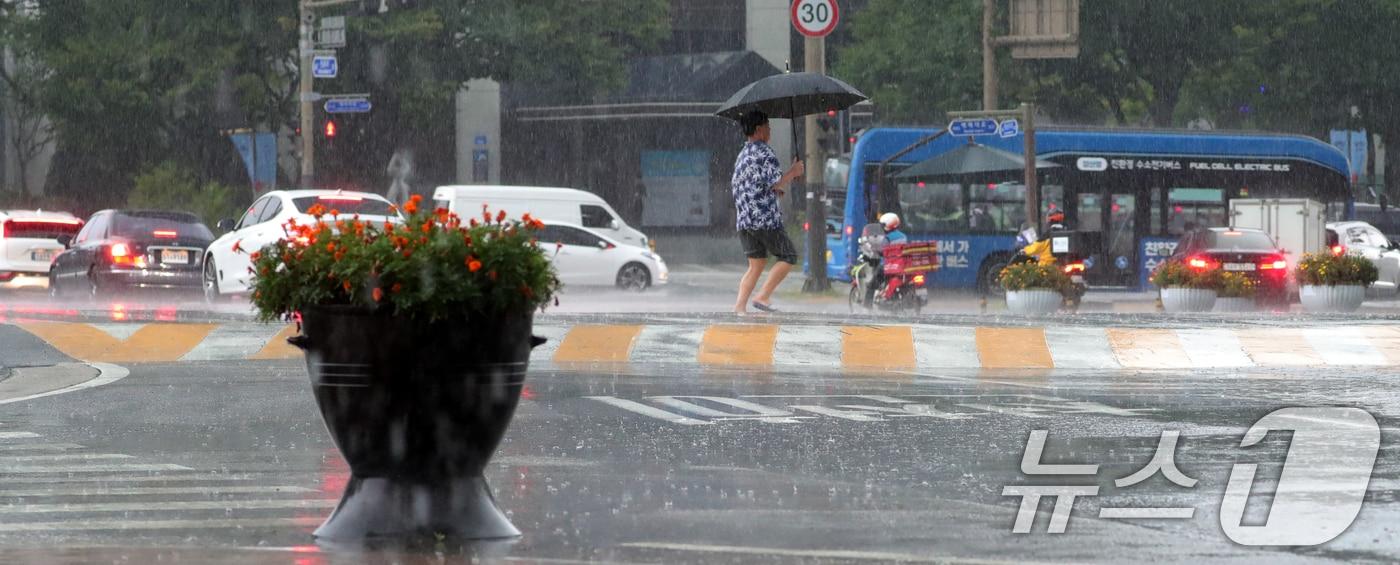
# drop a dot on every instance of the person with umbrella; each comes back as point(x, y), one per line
point(757, 184)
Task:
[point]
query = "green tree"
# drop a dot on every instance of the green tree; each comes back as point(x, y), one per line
point(168, 186)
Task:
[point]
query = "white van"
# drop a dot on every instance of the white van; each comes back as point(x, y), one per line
point(565, 205)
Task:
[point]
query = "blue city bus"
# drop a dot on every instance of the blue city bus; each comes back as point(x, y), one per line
point(1131, 192)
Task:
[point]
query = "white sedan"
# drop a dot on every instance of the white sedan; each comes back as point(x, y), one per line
point(582, 257)
point(227, 271)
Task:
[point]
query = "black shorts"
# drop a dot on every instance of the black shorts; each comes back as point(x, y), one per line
point(759, 244)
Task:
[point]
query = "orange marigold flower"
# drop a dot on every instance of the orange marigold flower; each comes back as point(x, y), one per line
point(388, 227)
point(346, 284)
point(526, 218)
point(334, 212)
point(330, 246)
point(339, 255)
point(407, 253)
point(501, 216)
point(238, 246)
point(410, 208)
point(427, 228)
point(378, 294)
point(255, 256)
point(473, 265)
point(316, 210)
point(474, 222)
point(396, 288)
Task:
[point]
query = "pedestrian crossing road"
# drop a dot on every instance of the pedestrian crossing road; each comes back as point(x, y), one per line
point(835, 347)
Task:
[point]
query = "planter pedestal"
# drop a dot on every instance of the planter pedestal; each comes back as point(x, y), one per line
point(1234, 304)
point(1337, 298)
point(417, 409)
point(1034, 301)
point(1188, 299)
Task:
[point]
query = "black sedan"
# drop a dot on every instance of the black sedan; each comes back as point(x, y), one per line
point(1246, 251)
point(131, 249)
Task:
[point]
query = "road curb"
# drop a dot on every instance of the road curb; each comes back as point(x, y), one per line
point(29, 383)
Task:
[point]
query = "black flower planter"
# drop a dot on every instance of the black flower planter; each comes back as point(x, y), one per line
point(417, 409)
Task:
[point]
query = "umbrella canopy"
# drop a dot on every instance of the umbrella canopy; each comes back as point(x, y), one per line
point(970, 162)
point(791, 95)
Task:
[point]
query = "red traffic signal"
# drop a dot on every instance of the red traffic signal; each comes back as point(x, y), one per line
point(330, 128)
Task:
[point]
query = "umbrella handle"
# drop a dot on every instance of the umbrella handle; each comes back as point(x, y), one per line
point(792, 111)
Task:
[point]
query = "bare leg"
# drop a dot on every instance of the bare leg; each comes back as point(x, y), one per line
point(775, 277)
point(749, 281)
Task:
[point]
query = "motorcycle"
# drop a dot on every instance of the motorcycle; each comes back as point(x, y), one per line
point(1062, 249)
point(891, 277)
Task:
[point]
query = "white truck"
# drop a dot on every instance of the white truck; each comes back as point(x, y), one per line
point(1298, 225)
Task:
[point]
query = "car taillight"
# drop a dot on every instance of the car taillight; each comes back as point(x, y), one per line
point(806, 226)
point(119, 250)
point(1277, 264)
point(165, 234)
point(1072, 267)
point(918, 280)
point(850, 230)
point(122, 254)
point(1338, 250)
point(1198, 263)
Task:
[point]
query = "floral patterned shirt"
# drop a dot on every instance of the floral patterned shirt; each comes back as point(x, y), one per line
point(755, 203)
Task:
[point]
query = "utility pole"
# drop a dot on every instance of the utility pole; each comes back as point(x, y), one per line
point(814, 185)
point(989, 56)
point(306, 44)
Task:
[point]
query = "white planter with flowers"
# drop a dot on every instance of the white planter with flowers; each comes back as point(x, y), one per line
point(1181, 299)
point(1334, 283)
point(1034, 301)
point(1333, 298)
point(1033, 290)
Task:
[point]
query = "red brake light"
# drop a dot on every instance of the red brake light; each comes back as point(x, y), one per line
point(1198, 263)
point(918, 280)
point(119, 250)
point(1338, 250)
point(806, 226)
point(850, 230)
point(1278, 264)
point(1072, 267)
point(165, 233)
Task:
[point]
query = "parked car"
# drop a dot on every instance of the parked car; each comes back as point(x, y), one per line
point(566, 205)
point(228, 272)
point(1248, 251)
point(29, 243)
point(129, 249)
point(1364, 240)
point(583, 257)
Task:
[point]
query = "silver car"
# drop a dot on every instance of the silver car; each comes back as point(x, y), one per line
point(1364, 240)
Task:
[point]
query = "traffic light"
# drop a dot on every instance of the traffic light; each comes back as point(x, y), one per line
point(828, 136)
point(330, 129)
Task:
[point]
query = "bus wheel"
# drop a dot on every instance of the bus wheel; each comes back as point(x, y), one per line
point(988, 278)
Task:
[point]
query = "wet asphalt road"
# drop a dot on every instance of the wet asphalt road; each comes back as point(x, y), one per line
point(624, 464)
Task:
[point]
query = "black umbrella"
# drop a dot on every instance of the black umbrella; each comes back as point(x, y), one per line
point(970, 163)
point(791, 95)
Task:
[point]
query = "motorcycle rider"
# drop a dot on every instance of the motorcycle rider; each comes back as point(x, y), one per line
point(1040, 249)
point(890, 221)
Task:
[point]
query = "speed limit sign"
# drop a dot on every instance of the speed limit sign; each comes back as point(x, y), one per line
point(815, 18)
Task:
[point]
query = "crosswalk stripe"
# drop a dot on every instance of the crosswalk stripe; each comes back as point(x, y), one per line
point(277, 346)
point(164, 506)
point(64, 457)
point(553, 335)
point(120, 332)
point(118, 479)
point(104, 490)
point(18, 435)
point(1080, 348)
point(1386, 341)
point(878, 347)
point(945, 347)
point(1213, 348)
point(1278, 347)
point(123, 524)
point(808, 346)
point(738, 344)
point(232, 341)
point(597, 344)
point(667, 344)
point(1013, 348)
point(1343, 346)
point(152, 342)
point(1147, 348)
point(39, 447)
point(101, 468)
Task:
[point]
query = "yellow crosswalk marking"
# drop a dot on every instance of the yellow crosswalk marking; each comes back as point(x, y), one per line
point(887, 347)
point(1147, 348)
point(151, 343)
point(277, 347)
point(1278, 346)
point(750, 344)
point(1013, 348)
point(597, 344)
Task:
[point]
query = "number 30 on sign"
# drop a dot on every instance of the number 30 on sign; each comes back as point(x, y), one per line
point(815, 18)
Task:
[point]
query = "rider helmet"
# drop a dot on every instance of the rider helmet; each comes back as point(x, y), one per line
point(890, 220)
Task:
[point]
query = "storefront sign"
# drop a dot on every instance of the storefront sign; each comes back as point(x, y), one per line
point(1154, 250)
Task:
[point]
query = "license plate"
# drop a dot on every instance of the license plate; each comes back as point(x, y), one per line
point(42, 255)
point(175, 256)
point(1239, 266)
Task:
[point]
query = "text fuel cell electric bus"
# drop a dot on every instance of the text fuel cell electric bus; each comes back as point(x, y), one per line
point(1133, 192)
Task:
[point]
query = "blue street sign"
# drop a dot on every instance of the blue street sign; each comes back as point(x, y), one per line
point(347, 105)
point(324, 66)
point(1010, 128)
point(481, 140)
point(979, 126)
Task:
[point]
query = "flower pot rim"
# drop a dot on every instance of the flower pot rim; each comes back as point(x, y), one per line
point(1033, 288)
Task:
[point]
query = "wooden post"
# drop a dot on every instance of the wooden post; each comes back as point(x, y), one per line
point(1032, 187)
